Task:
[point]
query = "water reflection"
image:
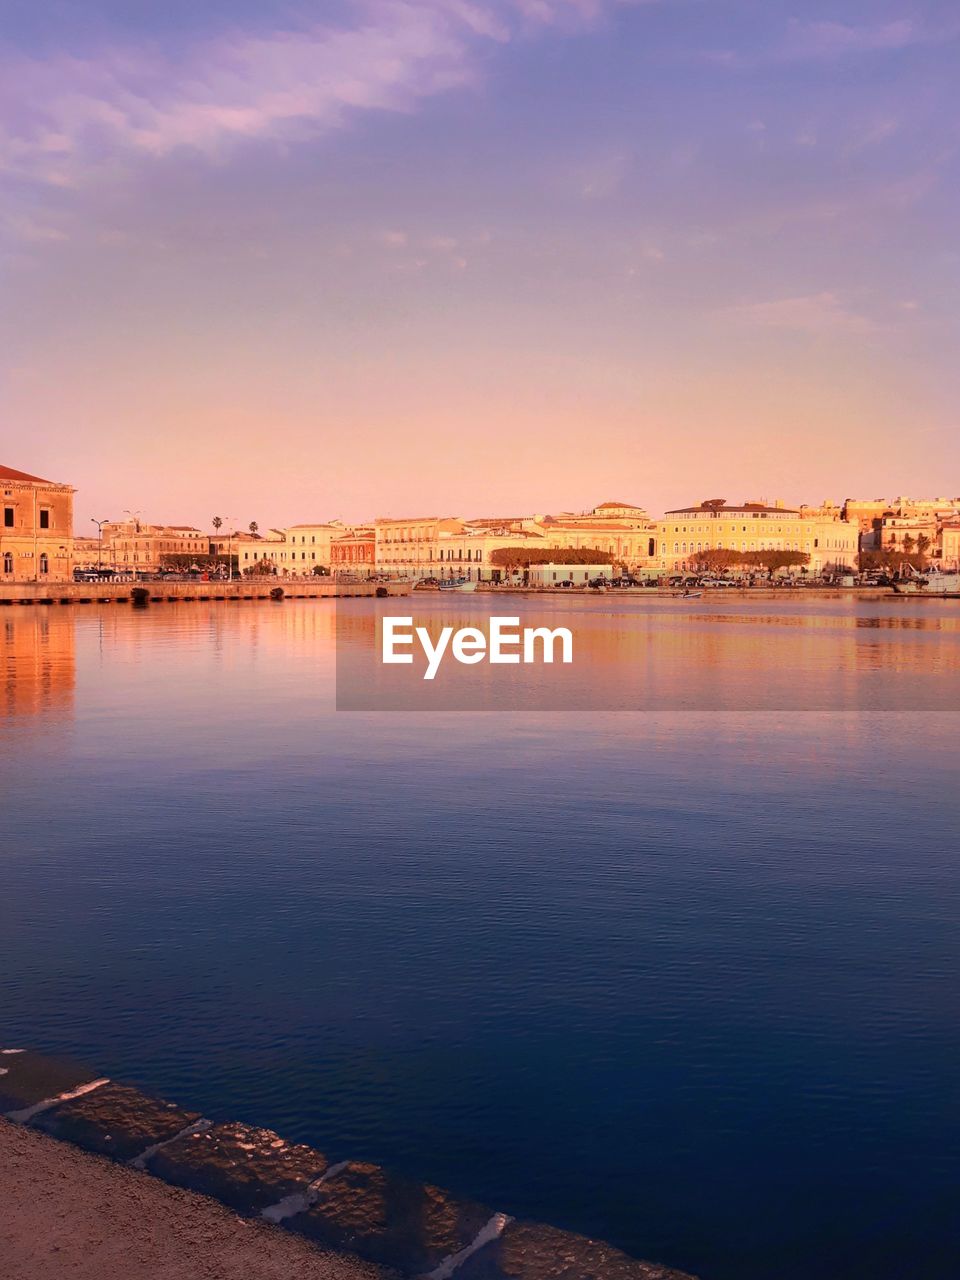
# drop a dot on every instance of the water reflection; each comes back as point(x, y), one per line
point(663, 655)
point(37, 662)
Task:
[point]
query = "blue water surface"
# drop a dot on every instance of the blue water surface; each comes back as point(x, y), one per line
point(683, 981)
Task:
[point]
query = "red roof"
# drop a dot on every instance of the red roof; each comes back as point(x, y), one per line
point(8, 473)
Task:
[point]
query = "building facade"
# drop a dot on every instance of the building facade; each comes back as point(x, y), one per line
point(134, 547)
point(409, 548)
point(683, 534)
point(355, 554)
point(36, 529)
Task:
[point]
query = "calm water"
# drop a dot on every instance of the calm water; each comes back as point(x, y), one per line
point(684, 980)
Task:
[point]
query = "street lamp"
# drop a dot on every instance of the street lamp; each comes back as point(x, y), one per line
point(230, 548)
point(99, 524)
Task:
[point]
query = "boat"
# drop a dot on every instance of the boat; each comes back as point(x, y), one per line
point(686, 595)
point(458, 584)
point(911, 582)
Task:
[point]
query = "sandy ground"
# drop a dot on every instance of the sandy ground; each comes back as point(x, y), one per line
point(67, 1214)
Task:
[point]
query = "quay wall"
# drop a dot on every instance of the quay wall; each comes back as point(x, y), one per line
point(157, 592)
point(418, 1231)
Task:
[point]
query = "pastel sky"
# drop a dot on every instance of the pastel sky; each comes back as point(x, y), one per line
point(286, 261)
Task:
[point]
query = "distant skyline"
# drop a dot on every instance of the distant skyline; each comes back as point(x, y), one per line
point(285, 262)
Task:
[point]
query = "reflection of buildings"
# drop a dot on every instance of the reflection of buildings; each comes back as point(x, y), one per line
point(36, 532)
point(37, 661)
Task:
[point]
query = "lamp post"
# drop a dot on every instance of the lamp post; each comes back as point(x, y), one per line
point(99, 524)
point(226, 520)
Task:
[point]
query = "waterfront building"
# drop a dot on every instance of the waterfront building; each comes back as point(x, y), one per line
point(468, 553)
point(630, 541)
point(549, 575)
point(950, 546)
point(885, 522)
point(132, 546)
point(623, 512)
point(409, 548)
point(354, 554)
point(682, 534)
point(36, 529)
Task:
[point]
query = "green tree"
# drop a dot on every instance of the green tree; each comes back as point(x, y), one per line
point(253, 527)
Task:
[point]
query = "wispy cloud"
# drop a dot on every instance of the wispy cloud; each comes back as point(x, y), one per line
point(803, 41)
point(65, 113)
point(815, 313)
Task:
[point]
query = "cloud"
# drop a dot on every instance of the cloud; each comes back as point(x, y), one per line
point(816, 313)
point(66, 113)
point(830, 41)
point(834, 39)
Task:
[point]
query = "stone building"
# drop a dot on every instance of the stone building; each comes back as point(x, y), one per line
point(832, 544)
point(36, 529)
point(409, 547)
point(355, 554)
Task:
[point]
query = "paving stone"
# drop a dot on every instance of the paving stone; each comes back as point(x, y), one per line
point(242, 1166)
point(115, 1120)
point(405, 1225)
point(527, 1251)
point(28, 1078)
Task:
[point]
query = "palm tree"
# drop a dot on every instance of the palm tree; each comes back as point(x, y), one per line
point(253, 527)
point(217, 523)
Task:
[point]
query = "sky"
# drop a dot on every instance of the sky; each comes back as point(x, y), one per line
point(287, 262)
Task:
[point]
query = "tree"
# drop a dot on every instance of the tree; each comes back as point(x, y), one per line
point(253, 527)
point(524, 557)
point(923, 546)
point(320, 571)
point(263, 568)
point(217, 524)
point(909, 542)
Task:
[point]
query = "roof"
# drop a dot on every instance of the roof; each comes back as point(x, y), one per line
point(732, 509)
point(9, 473)
point(584, 526)
point(631, 506)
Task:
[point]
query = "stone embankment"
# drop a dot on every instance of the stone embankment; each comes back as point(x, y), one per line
point(356, 1209)
point(158, 592)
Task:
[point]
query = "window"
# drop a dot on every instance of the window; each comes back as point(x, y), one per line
point(8, 517)
point(8, 562)
point(44, 563)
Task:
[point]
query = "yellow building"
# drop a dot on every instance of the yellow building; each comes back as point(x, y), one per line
point(631, 542)
point(950, 547)
point(468, 553)
point(409, 548)
point(754, 526)
point(36, 531)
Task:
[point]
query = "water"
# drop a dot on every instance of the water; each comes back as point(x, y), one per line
point(681, 980)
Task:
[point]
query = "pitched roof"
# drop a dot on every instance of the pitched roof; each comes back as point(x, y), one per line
point(8, 473)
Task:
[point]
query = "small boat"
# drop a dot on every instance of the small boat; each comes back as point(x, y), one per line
point(931, 583)
point(458, 584)
point(686, 595)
